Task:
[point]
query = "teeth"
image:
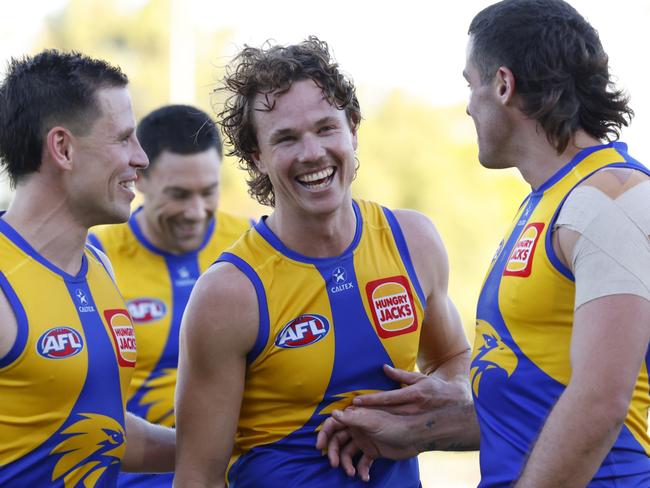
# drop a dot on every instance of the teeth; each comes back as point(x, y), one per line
point(129, 185)
point(319, 175)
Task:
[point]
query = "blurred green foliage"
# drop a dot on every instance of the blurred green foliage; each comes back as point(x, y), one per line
point(412, 155)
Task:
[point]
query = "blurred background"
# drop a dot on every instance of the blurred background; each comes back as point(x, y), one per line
point(417, 147)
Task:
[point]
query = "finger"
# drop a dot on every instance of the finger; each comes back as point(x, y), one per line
point(328, 429)
point(387, 398)
point(363, 467)
point(347, 458)
point(402, 376)
point(334, 447)
point(362, 418)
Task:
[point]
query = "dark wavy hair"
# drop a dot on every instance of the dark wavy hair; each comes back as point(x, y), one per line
point(273, 69)
point(560, 67)
point(42, 91)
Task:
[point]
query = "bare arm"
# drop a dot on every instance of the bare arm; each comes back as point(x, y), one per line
point(608, 346)
point(149, 448)
point(219, 328)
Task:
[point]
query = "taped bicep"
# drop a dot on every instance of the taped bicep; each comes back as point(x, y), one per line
point(612, 253)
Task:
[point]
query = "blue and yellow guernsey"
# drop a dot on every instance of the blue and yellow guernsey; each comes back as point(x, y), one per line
point(156, 286)
point(521, 362)
point(327, 325)
point(63, 384)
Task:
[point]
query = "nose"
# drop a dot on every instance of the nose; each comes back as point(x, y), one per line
point(194, 208)
point(139, 158)
point(311, 149)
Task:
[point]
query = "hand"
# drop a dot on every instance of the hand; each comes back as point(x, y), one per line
point(422, 393)
point(342, 449)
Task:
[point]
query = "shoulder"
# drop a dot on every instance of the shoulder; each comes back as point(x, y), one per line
point(613, 182)
point(108, 238)
point(419, 232)
point(223, 307)
point(425, 247)
point(102, 258)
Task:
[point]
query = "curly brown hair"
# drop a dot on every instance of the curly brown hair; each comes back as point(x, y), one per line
point(273, 69)
point(560, 67)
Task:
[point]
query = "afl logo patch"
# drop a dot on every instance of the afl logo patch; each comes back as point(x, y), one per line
point(123, 334)
point(520, 262)
point(392, 306)
point(60, 343)
point(145, 310)
point(303, 331)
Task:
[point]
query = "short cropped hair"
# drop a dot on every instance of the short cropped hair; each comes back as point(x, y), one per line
point(560, 67)
point(42, 91)
point(180, 129)
point(273, 69)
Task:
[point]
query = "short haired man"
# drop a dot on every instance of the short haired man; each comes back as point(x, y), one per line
point(299, 316)
point(67, 348)
point(160, 253)
point(559, 369)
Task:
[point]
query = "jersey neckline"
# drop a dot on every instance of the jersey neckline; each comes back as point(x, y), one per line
point(20, 242)
point(263, 229)
point(580, 156)
point(139, 235)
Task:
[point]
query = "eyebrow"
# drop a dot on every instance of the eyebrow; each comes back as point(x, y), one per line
point(328, 119)
point(171, 189)
point(126, 133)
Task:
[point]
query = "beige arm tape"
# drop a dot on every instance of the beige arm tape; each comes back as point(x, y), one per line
point(612, 254)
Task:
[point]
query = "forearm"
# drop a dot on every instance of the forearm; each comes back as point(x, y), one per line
point(451, 428)
point(577, 436)
point(149, 448)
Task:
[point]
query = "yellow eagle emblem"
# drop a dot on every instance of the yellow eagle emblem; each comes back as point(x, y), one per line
point(490, 353)
point(91, 445)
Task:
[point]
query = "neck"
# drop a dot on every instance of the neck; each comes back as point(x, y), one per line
point(316, 236)
point(539, 160)
point(39, 214)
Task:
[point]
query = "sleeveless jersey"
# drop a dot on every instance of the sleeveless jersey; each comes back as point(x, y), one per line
point(521, 362)
point(327, 325)
point(156, 286)
point(63, 384)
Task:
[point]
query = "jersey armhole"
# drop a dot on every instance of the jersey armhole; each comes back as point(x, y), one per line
point(264, 326)
point(402, 248)
point(21, 323)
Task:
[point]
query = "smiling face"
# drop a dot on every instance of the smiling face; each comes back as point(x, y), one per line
point(306, 147)
point(100, 188)
point(181, 193)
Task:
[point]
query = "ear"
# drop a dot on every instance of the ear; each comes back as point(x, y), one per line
point(261, 167)
point(505, 85)
point(59, 147)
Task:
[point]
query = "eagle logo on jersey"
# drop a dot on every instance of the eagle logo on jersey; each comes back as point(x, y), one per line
point(91, 446)
point(159, 398)
point(491, 355)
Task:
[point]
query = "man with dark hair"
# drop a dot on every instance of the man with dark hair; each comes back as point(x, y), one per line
point(298, 317)
point(67, 352)
point(559, 370)
point(166, 244)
